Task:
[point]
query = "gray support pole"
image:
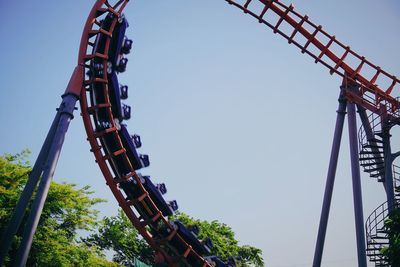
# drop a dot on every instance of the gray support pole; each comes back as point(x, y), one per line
point(330, 181)
point(27, 193)
point(387, 151)
point(66, 114)
point(356, 179)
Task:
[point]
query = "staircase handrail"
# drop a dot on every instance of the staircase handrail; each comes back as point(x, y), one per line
point(374, 219)
point(375, 122)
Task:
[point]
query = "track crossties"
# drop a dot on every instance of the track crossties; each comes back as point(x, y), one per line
point(102, 57)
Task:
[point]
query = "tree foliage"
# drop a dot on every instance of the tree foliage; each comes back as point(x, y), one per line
point(225, 243)
point(67, 210)
point(116, 234)
point(392, 228)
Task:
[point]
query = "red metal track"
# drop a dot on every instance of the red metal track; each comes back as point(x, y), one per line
point(377, 86)
point(103, 158)
point(376, 92)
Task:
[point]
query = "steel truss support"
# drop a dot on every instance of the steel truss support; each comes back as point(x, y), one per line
point(357, 195)
point(43, 171)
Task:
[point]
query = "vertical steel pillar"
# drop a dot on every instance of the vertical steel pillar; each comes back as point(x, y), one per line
point(356, 180)
point(330, 181)
point(387, 152)
point(27, 193)
point(66, 115)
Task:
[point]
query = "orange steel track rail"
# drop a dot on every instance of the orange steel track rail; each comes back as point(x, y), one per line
point(88, 107)
point(376, 85)
point(375, 94)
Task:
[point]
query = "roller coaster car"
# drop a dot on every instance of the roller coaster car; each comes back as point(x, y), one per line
point(137, 140)
point(119, 110)
point(162, 188)
point(166, 208)
point(132, 192)
point(124, 91)
point(217, 262)
point(103, 125)
point(201, 247)
point(121, 65)
point(126, 112)
point(118, 44)
point(127, 46)
point(145, 207)
point(179, 247)
point(194, 229)
point(138, 161)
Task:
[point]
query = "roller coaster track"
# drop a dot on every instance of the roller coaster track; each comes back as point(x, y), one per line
point(376, 85)
point(375, 93)
point(147, 217)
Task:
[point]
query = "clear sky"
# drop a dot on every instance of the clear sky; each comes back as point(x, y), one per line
point(237, 123)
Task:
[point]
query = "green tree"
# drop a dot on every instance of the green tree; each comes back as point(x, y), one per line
point(116, 234)
point(392, 228)
point(225, 243)
point(66, 211)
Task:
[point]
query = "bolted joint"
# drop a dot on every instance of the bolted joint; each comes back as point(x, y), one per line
point(67, 105)
point(342, 103)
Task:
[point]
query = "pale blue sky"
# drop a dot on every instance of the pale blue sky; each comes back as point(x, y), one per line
point(237, 123)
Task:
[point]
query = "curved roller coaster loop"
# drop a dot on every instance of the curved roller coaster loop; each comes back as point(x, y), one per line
point(151, 216)
point(94, 81)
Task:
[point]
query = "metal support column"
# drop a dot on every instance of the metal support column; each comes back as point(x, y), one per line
point(44, 167)
point(356, 180)
point(27, 193)
point(66, 115)
point(330, 181)
point(387, 151)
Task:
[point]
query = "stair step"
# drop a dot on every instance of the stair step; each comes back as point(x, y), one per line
point(373, 250)
point(363, 152)
point(375, 140)
point(372, 146)
point(381, 243)
point(377, 175)
point(371, 158)
point(376, 254)
point(371, 164)
point(379, 237)
point(379, 262)
point(374, 169)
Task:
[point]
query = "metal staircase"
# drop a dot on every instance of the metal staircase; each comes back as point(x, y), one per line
point(372, 161)
point(371, 149)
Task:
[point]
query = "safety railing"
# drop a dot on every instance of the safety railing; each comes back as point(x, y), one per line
point(375, 235)
point(371, 147)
